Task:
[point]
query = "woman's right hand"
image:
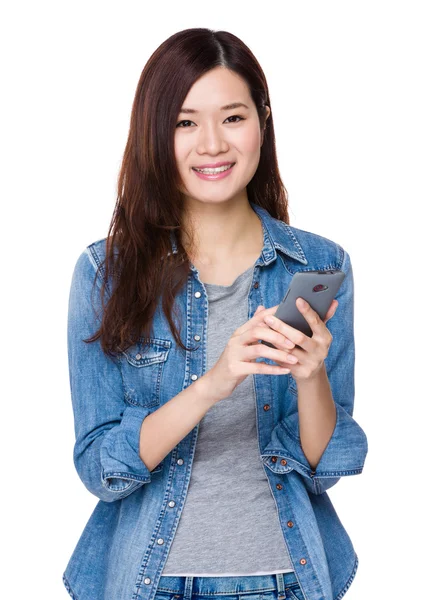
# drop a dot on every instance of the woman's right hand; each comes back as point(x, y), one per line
point(238, 359)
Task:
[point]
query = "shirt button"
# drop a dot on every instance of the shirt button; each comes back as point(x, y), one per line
point(283, 461)
point(197, 338)
point(160, 542)
point(171, 504)
point(255, 285)
point(303, 561)
point(138, 356)
point(180, 461)
point(147, 580)
point(274, 458)
point(290, 523)
point(197, 294)
point(278, 486)
point(193, 377)
point(266, 407)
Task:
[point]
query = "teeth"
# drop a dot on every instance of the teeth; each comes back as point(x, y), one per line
point(214, 171)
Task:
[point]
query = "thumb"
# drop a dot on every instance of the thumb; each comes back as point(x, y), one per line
point(260, 307)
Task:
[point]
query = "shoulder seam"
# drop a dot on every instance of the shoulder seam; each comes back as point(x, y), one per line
point(341, 255)
point(91, 258)
point(98, 266)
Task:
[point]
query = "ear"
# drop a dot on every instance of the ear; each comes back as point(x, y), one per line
point(264, 127)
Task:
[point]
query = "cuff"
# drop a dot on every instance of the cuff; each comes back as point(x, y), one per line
point(121, 463)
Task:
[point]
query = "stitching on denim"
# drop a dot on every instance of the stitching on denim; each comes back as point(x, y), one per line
point(289, 431)
point(68, 587)
point(350, 579)
point(232, 593)
point(124, 475)
point(99, 265)
point(339, 473)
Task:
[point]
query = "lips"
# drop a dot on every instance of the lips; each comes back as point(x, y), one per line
point(214, 176)
point(213, 165)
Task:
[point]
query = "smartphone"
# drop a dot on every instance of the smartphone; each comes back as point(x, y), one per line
point(318, 288)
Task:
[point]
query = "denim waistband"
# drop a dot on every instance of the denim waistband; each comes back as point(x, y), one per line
point(189, 585)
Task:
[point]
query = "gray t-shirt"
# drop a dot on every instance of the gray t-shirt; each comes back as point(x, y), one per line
point(229, 525)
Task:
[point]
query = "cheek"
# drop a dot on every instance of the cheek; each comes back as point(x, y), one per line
point(180, 153)
point(250, 142)
point(250, 152)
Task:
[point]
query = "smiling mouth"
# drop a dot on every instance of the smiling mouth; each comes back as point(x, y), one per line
point(214, 171)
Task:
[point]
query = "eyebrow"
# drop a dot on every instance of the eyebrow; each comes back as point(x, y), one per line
point(226, 107)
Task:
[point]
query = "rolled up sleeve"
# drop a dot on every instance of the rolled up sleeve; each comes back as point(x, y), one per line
point(107, 429)
point(347, 448)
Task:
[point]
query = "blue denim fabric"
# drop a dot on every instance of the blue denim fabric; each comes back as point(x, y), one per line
point(123, 548)
point(280, 586)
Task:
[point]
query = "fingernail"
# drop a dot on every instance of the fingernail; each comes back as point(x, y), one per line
point(301, 302)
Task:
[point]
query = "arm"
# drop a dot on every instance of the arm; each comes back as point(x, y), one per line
point(347, 447)
point(117, 445)
point(168, 425)
point(106, 429)
point(317, 415)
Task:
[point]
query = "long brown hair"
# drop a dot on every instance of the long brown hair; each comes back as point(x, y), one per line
point(149, 206)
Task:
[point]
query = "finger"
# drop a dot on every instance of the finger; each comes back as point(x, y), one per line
point(258, 335)
point(311, 316)
point(257, 318)
point(261, 311)
point(270, 310)
point(331, 311)
point(289, 332)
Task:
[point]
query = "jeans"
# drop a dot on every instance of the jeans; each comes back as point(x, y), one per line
point(280, 586)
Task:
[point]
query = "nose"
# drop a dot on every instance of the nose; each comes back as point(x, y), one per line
point(211, 140)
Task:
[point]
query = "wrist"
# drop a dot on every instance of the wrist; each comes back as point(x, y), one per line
point(206, 390)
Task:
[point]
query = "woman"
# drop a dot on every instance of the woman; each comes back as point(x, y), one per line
point(209, 482)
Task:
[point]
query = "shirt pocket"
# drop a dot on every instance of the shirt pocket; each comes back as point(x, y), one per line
point(142, 367)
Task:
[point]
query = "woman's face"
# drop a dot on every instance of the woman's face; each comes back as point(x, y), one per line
point(212, 134)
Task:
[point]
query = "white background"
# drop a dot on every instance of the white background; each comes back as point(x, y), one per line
point(355, 89)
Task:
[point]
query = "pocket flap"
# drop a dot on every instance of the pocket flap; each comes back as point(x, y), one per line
point(147, 352)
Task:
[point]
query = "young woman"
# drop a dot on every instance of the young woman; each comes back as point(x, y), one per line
point(210, 482)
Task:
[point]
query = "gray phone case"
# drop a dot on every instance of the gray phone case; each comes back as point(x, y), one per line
point(318, 288)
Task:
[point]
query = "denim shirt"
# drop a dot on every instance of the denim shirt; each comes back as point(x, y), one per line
point(124, 545)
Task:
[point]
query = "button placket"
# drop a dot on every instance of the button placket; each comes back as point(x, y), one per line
point(197, 338)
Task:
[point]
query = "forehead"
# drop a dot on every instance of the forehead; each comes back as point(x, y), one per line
point(217, 90)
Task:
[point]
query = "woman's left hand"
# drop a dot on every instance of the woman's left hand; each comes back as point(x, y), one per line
point(313, 350)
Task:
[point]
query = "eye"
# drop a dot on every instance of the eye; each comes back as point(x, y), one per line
point(186, 121)
point(235, 117)
point(232, 117)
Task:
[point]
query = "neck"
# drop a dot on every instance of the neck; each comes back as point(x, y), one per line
point(222, 231)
